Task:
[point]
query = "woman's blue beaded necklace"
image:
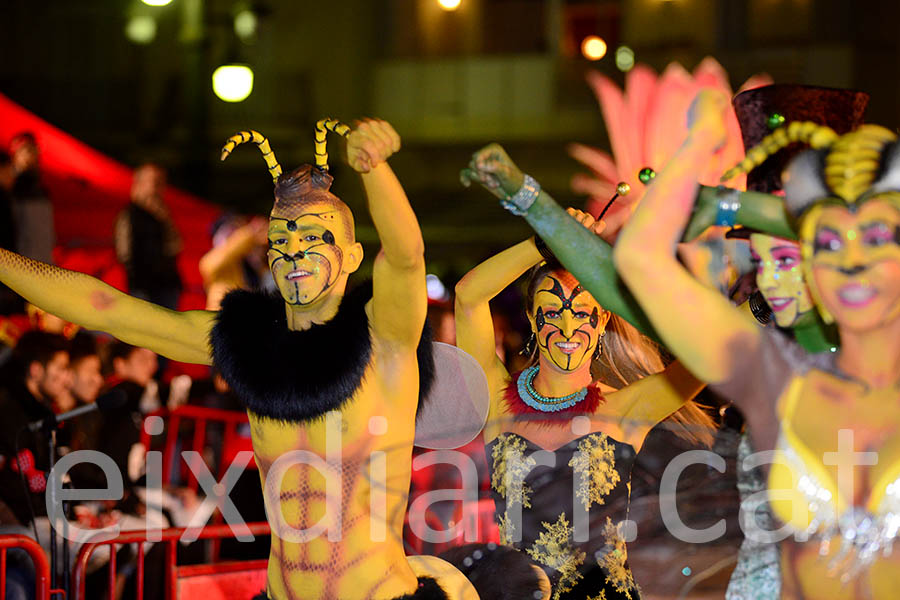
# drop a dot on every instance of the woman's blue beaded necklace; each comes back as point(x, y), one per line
point(532, 398)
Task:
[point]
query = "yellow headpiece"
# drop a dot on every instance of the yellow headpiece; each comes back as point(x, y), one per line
point(845, 170)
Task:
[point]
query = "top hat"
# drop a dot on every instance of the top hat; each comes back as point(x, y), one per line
point(762, 110)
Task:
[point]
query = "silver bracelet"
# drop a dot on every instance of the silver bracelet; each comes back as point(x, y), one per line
point(519, 203)
point(729, 204)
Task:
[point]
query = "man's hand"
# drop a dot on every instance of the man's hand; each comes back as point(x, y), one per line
point(494, 170)
point(371, 142)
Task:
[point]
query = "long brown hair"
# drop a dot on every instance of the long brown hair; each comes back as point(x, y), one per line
point(629, 356)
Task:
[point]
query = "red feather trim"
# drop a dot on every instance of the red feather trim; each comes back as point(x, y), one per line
point(516, 406)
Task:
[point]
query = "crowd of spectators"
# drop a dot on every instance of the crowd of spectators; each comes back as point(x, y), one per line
point(49, 367)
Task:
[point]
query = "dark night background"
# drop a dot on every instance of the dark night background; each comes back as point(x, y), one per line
point(504, 70)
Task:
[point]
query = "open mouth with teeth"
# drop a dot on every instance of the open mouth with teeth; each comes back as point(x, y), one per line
point(856, 295)
point(568, 347)
point(298, 274)
point(779, 304)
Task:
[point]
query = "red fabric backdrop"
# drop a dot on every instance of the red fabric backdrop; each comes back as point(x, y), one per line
point(88, 189)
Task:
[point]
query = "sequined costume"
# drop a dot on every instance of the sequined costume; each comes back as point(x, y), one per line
point(592, 476)
point(757, 575)
point(852, 537)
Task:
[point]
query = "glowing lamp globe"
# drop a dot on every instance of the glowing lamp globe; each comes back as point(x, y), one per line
point(141, 29)
point(593, 47)
point(245, 24)
point(624, 58)
point(449, 4)
point(232, 83)
point(156, 2)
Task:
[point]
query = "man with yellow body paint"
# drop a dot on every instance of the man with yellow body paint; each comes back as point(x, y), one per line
point(331, 382)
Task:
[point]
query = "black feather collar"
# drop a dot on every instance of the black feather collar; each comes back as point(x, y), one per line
point(298, 376)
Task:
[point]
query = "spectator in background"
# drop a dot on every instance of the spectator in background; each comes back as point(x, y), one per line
point(87, 376)
point(10, 302)
point(87, 380)
point(237, 259)
point(147, 243)
point(7, 179)
point(32, 211)
point(130, 370)
point(35, 379)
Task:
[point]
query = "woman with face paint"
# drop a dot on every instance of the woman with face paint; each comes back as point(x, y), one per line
point(833, 420)
point(560, 439)
point(781, 284)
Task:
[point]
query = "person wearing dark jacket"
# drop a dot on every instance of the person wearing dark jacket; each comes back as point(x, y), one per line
point(147, 243)
point(36, 375)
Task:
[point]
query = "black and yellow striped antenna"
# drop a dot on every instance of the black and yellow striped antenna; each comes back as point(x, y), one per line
point(808, 132)
point(260, 140)
point(322, 129)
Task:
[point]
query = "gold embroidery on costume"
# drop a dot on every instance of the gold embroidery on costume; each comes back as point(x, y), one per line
point(552, 549)
point(618, 575)
point(595, 467)
point(507, 530)
point(510, 469)
point(600, 596)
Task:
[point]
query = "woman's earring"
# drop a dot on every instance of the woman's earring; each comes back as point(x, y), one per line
point(529, 345)
point(599, 349)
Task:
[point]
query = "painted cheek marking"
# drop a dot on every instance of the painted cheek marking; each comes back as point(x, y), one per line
point(595, 318)
point(328, 237)
point(539, 321)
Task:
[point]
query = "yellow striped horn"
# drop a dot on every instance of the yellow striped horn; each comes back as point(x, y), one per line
point(260, 140)
point(808, 132)
point(322, 129)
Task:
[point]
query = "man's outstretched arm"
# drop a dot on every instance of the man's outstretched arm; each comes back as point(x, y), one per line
point(399, 298)
point(89, 302)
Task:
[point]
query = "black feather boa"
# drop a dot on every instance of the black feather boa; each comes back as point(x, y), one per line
point(298, 376)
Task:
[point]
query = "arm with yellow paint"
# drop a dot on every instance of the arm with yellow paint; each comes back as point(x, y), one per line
point(86, 301)
point(228, 255)
point(696, 323)
point(651, 400)
point(399, 298)
point(474, 326)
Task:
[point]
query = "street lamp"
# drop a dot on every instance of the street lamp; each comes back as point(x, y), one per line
point(593, 47)
point(233, 83)
point(141, 29)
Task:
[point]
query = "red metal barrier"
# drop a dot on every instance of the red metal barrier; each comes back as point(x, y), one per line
point(42, 589)
point(173, 573)
point(200, 417)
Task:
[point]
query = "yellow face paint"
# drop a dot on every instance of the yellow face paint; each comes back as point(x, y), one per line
point(855, 263)
point(567, 322)
point(306, 252)
point(779, 277)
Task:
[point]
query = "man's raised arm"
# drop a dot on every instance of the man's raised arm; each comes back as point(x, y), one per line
point(399, 298)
